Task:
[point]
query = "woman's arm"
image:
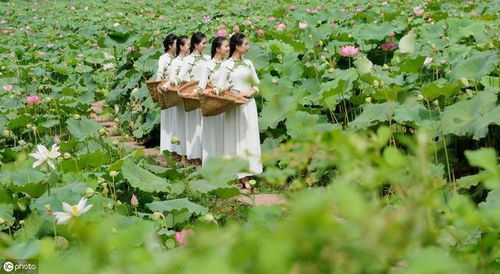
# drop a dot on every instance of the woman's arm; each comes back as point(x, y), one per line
point(183, 72)
point(161, 69)
point(171, 71)
point(255, 82)
point(221, 82)
point(203, 78)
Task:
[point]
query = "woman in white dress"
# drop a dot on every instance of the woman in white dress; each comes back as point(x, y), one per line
point(191, 70)
point(167, 117)
point(213, 126)
point(179, 131)
point(241, 128)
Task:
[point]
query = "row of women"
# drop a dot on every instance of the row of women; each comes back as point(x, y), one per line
point(234, 133)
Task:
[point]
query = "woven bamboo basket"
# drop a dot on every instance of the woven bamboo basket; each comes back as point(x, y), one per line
point(153, 88)
point(213, 104)
point(190, 100)
point(168, 96)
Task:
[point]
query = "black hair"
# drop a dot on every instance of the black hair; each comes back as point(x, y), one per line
point(181, 41)
point(236, 40)
point(217, 43)
point(196, 39)
point(169, 41)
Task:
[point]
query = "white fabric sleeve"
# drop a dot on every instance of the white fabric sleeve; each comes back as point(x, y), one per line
point(255, 78)
point(221, 82)
point(184, 71)
point(171, 70)
point(204, 78)
point(161, 69)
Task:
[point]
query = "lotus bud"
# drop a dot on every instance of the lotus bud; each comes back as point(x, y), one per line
point(157, 215)
point(133, 201)
point(113, 173)
point(368, 100)
point(89, 192)
point(208, 217)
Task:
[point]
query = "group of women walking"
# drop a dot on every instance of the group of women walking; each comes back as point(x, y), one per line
point(234, 133)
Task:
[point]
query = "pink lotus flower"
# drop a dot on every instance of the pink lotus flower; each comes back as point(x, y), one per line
point(418, 11)
point(50, 45)
point(349, 51)
point(293, 7)
point(8, 87)
point(410, 32)
point(80, 55)
point(247, 22)
point(31, 100)
point(281, 26)
point(72, 8)
point(206, 19)
point(35, 4)
point(130, 48)
point(389, 46)
point(358, 9)
point(333, 25)
point(392, 34)
point(180, 237)
point(221, 32)
point(271, 19)
point(57, 139)
point(303, 25)
point(260, 32)
point(133, 201)
point(308, 10)
point(236, 28)
point(161, 17)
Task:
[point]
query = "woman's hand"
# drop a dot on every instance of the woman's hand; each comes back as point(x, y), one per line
point(245, 94)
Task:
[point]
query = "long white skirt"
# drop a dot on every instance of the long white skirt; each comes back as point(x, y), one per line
point(193, 134)
point(241, 136)
point(212, 136)
point(177, 128)
point(167, 118)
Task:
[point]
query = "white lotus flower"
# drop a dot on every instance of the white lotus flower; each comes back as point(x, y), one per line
point(43, 155)
point(71, 211)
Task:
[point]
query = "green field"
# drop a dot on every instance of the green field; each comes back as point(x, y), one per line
point(387, 154)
